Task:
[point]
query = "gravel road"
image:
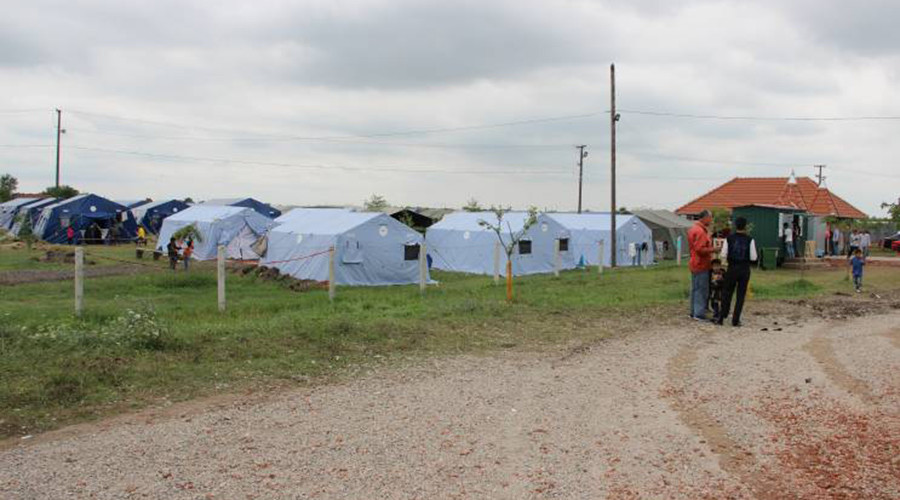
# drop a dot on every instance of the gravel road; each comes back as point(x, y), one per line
point(805, 409)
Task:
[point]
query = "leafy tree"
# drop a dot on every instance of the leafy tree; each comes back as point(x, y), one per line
point(514, 237)
point(721, 219)
point(8, 185)
point(189, 200)
point(623, 210)
point(62, 191)
point(376, 203)
point(472, 206)
point(188, 232)
point(893, 210)
point(26, 233)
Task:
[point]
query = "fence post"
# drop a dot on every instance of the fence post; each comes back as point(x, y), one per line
point(220, 271)
point(79, 280)
point(556, 263)
point(332, 286)
point(600, 258)
point(423, 267)
point(678, 250)
point(496, 262)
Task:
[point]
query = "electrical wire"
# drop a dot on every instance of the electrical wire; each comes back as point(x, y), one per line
point(317, 166)
point(758, 118)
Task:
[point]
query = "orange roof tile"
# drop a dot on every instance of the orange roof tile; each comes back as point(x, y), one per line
point(742, 191)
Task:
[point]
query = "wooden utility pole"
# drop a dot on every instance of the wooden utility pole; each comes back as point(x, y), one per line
point(819, 176)
point(613, 117)
point(581, 155)
point(58, 134)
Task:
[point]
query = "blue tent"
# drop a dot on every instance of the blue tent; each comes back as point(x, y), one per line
point(237, 228)
point(634, 239)
point(370, 248)
point(151, 215)
point(32, 211)
point(93, 217)
point(263, 208)
point(459, 243)
point(10, 210)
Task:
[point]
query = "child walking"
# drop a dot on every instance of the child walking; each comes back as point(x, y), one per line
point(856, 263)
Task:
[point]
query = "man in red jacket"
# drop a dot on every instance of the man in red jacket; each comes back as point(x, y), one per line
point(701, 247)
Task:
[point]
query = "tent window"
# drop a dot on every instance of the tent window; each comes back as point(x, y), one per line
point(524, 247)
point(411, 252)
point(564, 244)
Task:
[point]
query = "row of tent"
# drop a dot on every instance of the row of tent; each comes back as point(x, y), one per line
point(95, 218)
point(372, 248)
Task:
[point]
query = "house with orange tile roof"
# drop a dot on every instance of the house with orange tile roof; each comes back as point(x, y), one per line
point(797, 193)
point(774, 203)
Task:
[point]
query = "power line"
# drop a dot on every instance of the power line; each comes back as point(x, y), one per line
point(331, 141)
point(353, 136)
point(26, 145)
point(758, 118)
point(318, 166)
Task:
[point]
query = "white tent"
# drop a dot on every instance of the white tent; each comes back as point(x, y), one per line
point(370, 248)
point(588, 229)
point(235, 227)
point(459, 243)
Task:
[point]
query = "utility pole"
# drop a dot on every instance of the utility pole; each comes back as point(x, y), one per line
point(582, 154)
point(58, 134)
point(613, 117)
point(819, 175)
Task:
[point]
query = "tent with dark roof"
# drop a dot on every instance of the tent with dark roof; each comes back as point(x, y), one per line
point(151, 215)
point(93, 217)
point(9, 210)
point(263, 208)
point(31, 211)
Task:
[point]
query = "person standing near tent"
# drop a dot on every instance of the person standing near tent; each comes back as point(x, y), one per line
point(172, 250)
point(141, 236)
point(865, 242)
point(701, 249)
point(70, 235)
point(739, 250)
point(187, 252)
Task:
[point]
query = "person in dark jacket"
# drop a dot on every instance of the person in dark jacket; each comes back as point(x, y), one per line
point(739, 250)
point(172, 249)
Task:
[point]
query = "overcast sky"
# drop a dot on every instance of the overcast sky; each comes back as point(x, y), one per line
point(434, 103)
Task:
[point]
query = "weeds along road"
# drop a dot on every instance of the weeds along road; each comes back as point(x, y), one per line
point(807, 408)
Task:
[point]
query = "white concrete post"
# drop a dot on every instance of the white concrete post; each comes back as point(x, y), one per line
point(600, 258)
point(678, 250)
point(332, 286)
point(79, 280)
point(556, 263)
point(220, 271)
point(423, 268)
point(496, 262)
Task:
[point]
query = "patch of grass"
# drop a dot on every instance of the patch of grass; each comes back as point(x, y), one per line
point(59, 369)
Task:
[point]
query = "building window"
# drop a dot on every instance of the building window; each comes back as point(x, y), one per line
point(411, 252)
point(564, 244)
point(525, 247)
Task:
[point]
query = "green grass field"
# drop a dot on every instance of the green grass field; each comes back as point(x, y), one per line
point(158, 335)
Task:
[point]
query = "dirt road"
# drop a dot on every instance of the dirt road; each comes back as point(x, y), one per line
point(803, 409)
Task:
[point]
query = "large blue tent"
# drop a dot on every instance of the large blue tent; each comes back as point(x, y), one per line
point(263, 208)
point(151, 215)
point(93, 217)
point(634, 240)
